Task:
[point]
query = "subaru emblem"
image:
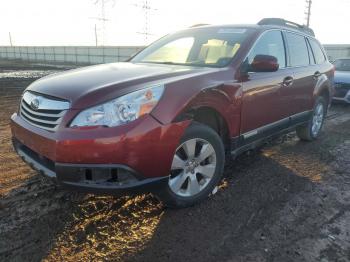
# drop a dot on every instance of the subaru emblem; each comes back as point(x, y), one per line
point(34, 104)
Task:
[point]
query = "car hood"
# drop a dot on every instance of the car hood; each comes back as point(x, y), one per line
point(95, 84)
point(342, 77)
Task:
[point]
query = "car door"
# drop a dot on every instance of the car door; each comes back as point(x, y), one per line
point(262, 106)
point(299, 93)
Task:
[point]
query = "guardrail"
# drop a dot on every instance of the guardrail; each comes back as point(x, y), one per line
point(69, 54)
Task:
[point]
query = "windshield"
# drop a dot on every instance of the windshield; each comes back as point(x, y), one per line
point(196, 47)
point(342, 65)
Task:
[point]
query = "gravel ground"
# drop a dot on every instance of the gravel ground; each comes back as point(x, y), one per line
point(288, 201)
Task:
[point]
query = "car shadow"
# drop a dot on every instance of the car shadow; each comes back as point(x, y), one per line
point(40, 221)
point(228, 225)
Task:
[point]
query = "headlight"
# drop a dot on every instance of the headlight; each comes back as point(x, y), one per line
point(121, 110)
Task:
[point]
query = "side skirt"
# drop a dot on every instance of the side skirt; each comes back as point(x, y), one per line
point(261, 135)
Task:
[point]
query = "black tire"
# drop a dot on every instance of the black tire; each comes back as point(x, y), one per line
point(304, 132)
point(197, 131)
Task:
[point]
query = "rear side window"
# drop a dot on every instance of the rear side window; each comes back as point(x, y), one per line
point(298, 53)
point(317, 51)
point(270, 43)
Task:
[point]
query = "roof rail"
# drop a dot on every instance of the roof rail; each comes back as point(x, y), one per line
point(198, 25)
point(286, 23)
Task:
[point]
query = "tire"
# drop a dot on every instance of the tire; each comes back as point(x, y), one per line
point(200, 150)
point(312, 130)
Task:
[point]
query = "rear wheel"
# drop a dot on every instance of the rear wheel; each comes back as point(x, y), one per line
point(312, 129)
point(196, 169)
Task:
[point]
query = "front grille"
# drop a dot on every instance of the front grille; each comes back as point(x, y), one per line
point(45, 113)
point(341, 93)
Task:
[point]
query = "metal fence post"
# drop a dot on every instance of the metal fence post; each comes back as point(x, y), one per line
point(103, 54)
point(64, 54)
point(76, 55)
point(35, 55)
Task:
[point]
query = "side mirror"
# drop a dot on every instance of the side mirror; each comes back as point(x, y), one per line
point(264, 63)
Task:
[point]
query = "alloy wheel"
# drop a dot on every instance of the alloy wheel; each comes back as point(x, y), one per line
point(193, 167)
point(317, 119)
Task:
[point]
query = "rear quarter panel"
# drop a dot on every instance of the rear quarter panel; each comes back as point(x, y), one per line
point(325, 81)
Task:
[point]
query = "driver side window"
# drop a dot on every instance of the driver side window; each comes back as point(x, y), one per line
point(270, 43)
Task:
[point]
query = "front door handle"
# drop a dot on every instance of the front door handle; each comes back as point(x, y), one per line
point(317, 74)
point(287, 81)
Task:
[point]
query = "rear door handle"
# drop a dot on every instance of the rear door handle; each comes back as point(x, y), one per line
point(287, 81)
point(317, 74)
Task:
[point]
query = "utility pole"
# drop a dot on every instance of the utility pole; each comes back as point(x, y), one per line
point(102, 18)
point(308, 12)
point(96, 35)
point(146, 8)
point(10, 39)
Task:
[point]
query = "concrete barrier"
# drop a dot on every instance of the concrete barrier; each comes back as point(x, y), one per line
point(337, 51)
point(69, 54)
point(103, 54)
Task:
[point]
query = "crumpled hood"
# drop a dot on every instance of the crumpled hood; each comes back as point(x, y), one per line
point(342, 77)
point(94, 84)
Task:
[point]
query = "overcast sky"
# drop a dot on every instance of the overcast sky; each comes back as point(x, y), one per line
point(72, 22)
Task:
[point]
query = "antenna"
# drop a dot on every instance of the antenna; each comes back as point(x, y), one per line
point(308, 12)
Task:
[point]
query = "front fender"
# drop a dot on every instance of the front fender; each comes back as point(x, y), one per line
point(181, 97)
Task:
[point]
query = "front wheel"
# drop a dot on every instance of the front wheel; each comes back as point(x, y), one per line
point(312, 129)
point(196, 169)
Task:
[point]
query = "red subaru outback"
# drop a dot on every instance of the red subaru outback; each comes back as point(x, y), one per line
point(164, 121)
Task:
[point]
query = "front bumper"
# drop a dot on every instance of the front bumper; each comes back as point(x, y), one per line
point(132, 158)
point(101, 179)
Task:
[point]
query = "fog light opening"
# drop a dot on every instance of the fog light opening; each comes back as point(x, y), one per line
point(114, 175)
point(88, 174)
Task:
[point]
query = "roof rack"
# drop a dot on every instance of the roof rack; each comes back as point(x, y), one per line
point(286, 23)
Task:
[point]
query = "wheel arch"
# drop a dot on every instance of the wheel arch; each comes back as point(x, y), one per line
point(325, 94)
point(210, 116)
point(323, 88)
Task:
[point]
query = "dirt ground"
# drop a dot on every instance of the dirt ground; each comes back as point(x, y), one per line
point(289, 201)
